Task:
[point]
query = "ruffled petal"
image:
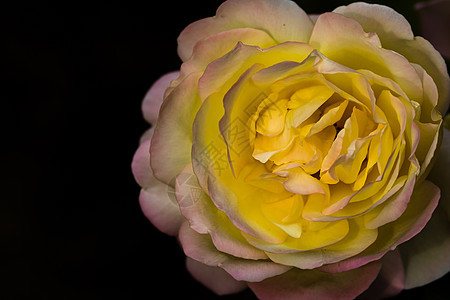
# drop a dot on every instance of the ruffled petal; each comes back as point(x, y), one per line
point(217, 45)
point(420, 208)
point(154, 198)
point(155, 96)
point(312, 284)
point(216, 279)
point(204, 218)
point(200, 247)
point(386, 22)
point(358, 239)
point(343, 40)
point(395, 34)
point(171, 143)
point(283, 20)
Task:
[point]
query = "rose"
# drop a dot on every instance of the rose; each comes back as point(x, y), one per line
point(291, 153)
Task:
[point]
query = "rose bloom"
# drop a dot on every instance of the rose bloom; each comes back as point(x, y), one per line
point(291, 153)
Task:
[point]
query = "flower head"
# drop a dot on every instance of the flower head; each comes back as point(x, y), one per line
point(298, 149)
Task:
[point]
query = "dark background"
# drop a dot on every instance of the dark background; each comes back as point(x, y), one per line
point(70, 222)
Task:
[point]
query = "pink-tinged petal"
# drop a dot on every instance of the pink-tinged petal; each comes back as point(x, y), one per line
point(200, 248)
point(389, 25)
point(440, 174)
point(312, 284)
point(283, 20)
point(140, 165)
point(155, 96)
point(171, 143)
point(343, 40)
point(426, 256)
point(204, 218)
point(160, 209)
point(435, 22)
point(391, 209)
point(390, 280)
point(154, 198)
point(420, 208)
point(147, 135)
point(215, 278)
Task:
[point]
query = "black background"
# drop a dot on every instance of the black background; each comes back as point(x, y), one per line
point(70, 222)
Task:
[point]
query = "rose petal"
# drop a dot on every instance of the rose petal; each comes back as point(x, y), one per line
point(430, 97)
point(200, 248)
point(222, 74)
point(358, 239)
point(421, 52)
point(390, 280)
point(428, 144)
point(140, 166)
point(395, 34)
point(421, 205)
point(312, 284)
point(171, 143)
point(386, 22)
point(160, 209)
point(155, 96)
point(216, 279)
point(204, 218)
point(343, 40)
point(283, 20)
point(217, 45)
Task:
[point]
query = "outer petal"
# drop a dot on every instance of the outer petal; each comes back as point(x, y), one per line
point(141, 163)
point(386, 22)
point(312, 284)
point(395, 34)
point(155, 96)
point(172, 140)
point(154, 199)
point(200, 247)
point(160, 209)
point(216, 279)
point(283, 20)
point(391, 279)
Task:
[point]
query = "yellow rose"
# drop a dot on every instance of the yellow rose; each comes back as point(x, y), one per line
point(298, 148)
